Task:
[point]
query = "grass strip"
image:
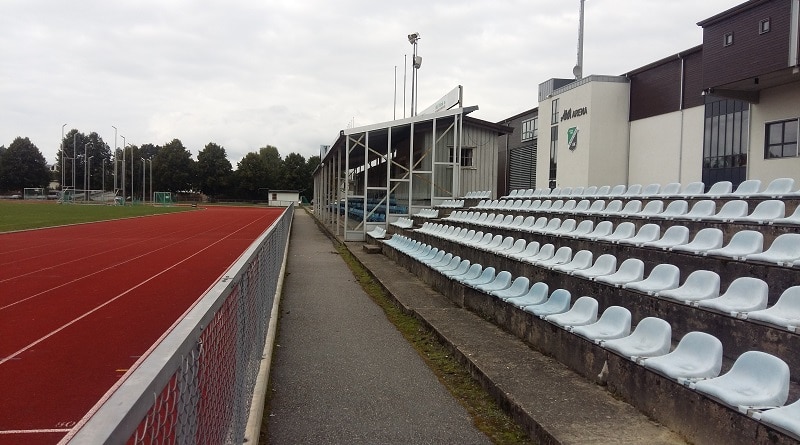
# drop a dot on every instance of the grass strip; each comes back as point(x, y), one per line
point(22, 215)
point(487, 415)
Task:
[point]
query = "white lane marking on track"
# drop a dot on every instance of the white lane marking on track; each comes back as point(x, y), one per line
point(105, 269)
point(138, 362)
point(51, 430)
point(86, 314)
point(80, 259)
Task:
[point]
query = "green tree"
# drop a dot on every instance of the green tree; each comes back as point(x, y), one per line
point(251, 176)
point(273, 165)
point(295, 172)
point(23, 166)
point(213, 170)
point(173, 168)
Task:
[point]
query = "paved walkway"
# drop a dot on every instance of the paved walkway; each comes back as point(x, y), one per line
point(341, 372)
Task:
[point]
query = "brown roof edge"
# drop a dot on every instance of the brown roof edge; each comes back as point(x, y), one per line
point(730, 12)
point(498, 128)
point(680, 55)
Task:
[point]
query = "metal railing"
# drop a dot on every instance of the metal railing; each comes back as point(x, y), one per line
point(196, 385)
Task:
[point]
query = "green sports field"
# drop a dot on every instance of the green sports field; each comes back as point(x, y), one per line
point(21, 215)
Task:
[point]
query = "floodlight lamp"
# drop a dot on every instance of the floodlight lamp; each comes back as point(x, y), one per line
point(413, 37)
point(417, 61)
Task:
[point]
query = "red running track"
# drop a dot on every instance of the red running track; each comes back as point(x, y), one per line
point(80, 304)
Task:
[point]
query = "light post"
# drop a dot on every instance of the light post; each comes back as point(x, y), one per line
point(416, 62)
point(144, 189)
point(115, 158)
point(152, 195)
point(74, 155)
point(86, 170)
point(124, 145)
point(89, 177)
point(104, 179)
point(63, 173)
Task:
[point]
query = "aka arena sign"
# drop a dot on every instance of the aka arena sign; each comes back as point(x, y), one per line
point(569, 113)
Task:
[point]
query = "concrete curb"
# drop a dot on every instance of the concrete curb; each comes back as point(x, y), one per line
point(254, 421)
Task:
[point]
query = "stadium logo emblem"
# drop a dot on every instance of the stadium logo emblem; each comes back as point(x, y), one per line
point(572, 138)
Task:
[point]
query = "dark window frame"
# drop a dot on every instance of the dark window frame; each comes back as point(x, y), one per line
point(785, 148)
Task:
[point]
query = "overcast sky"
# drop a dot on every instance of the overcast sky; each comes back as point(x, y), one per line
point(292, 73)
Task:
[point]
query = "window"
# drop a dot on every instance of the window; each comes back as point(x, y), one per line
point(467, 159)
point(727, 39)
point(725, 140)
point(781, 139)
point(530, 129)
point(553, 155)
point(763, 26)
point(554, 112)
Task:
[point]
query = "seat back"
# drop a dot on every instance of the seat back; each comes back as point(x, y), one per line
point(569, 205)
point(623, 230)
point(768, 210)
point(702, 349)
point(565, 191)
point(708, 238)
point(583, 228)
point(519, 286)
point(746, 289)
point(473, 272)
point(631, 269)
point(648, 232)
point(652, 208)
point(702, 209)
point(590, 191)
point(654, 331)
point(507, 243)
point(631, 207)
point(650, 190)
point(789, 301)
point(616, 316)
point(633, 190)
point(577, 192)
point(597, 206)
point(567, 226)
point(530, 250)
point(603, 190)
point(666, 275)
point(764, 372)
point(693, 189)
point(732, 209)
point(501, 281)
point(743, 242)
point(671, 189)
point(675, 208)
point(518, 247)
point(605, 263)
point(562, 255)
point(719, 189)
point(787, 244)
point(747, 188)
point(614, 207)
point(582, 206)
point(602, 229)
point(699, 285)
point(545, 253)
point(779, 187)
point(552, 225)
point(538, 292)
point(617, 190)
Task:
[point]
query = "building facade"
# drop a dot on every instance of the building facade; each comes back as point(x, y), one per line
point(725, 110)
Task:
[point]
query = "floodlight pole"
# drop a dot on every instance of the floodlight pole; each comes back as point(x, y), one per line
point(124, 145)
point(413, 39)
point(74, 155)
point(63, 173)
point(103, 175)
point(86, 169)
point(89, 177)
point(144, 189)
point(115, 158)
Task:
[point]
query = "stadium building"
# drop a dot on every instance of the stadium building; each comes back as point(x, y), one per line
point(726, 110)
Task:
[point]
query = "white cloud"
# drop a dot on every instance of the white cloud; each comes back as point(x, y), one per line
point(292, 73)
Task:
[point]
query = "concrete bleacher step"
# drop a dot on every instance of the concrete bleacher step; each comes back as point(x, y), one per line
point(554, 404)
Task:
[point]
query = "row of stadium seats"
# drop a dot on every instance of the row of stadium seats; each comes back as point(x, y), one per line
point(757, 384)
point(744, 245)
point(771, 211)
point(751, 188)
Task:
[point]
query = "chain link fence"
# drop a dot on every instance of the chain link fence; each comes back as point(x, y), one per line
point(196, 385)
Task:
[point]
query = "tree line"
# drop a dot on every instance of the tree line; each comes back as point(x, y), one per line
point(86, 161)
